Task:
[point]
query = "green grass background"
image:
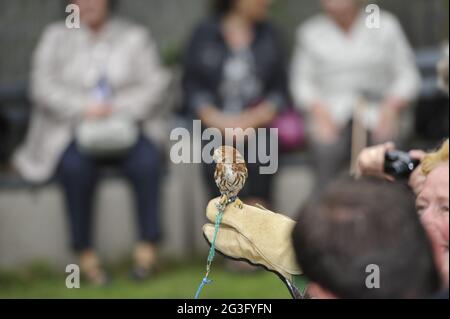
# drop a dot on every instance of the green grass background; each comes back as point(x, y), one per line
point(172, 281)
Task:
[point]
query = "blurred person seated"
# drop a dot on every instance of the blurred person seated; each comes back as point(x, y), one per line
point(335, 241)
point(107, 71)
point(235, 77)
point(340, 67)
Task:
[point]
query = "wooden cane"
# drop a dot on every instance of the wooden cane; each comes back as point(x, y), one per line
point(359, 133)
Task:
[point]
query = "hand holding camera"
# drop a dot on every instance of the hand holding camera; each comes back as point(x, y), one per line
point(399, 164)
point(384, 161)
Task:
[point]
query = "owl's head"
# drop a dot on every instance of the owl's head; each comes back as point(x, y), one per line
point(228, 155)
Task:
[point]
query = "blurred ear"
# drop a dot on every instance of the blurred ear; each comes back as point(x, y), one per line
point(316, 291)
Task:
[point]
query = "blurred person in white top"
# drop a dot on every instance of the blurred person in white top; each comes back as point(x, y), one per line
point(339, 59)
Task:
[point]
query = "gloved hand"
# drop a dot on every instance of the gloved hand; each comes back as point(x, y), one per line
point(258, 236)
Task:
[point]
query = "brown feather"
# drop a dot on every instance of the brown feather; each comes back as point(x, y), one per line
point(230, 158)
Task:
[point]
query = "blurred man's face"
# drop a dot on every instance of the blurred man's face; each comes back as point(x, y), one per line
point(432, 205)
point(255, 10)
point(93, 12)
point(339, 8)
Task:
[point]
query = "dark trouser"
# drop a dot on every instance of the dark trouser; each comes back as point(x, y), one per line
point(331, 160)
point(79, 175)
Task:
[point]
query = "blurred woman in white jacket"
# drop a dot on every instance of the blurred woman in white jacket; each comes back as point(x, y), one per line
point(341, 59)
point(71, 67)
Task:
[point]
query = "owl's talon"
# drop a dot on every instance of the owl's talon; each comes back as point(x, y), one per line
point(223, 201)
point(239, 204)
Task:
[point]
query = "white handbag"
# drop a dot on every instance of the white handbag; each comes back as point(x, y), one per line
point(109, 136)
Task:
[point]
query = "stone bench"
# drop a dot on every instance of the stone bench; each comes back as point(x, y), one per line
point(33, 225)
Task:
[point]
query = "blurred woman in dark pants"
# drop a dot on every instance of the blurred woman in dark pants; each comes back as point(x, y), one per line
point(106, 69)
point(235, 77)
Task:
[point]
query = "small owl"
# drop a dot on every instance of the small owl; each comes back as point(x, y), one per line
point(230, 175)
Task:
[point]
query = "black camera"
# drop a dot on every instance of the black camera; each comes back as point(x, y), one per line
point(399, 164)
